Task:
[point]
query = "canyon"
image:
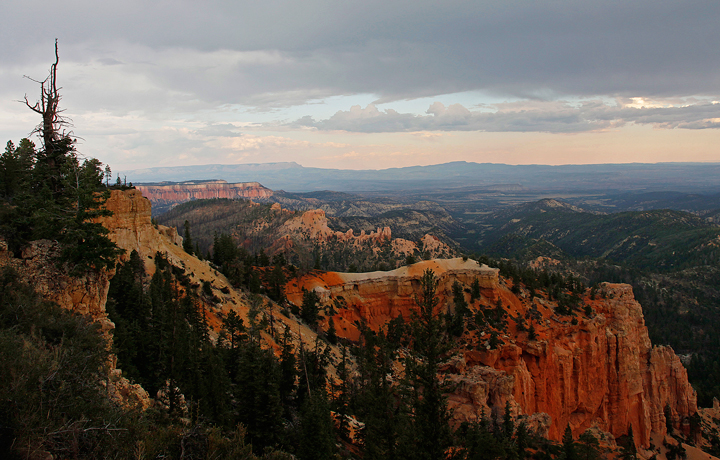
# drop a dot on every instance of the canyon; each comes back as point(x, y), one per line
point(595, 369)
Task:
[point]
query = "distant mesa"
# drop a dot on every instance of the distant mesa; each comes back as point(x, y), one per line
point(459, 175)
point(165, 195)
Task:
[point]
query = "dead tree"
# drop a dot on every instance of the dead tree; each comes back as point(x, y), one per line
point(58, 146)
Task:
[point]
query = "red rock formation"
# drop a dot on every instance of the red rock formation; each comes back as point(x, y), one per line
point(173, 194)
point(131, 227)
point(313, 226)
point(601, 372)
point(378, 297)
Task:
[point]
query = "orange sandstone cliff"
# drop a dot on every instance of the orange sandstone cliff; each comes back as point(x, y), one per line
point(168, 195)
point(597, 371)
point(378, 297)
point(131, 228)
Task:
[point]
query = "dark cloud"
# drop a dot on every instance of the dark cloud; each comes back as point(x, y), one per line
point(275, 53)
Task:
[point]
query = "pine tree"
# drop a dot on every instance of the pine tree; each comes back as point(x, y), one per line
point(385, 411)
point(475, 290)
point(431, 418)
point(508, 426)
point(277, 280)
point(588, 447)
point(309, 310)
point(258, 392)
point(569, 450)
point(317, 439)
point(187, 240)
point(288, 372)
point(628, 451)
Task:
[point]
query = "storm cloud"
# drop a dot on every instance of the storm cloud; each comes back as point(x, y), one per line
point(285, 53)
point(135, 69)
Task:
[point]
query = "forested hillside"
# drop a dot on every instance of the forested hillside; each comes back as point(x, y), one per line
point(311, 239)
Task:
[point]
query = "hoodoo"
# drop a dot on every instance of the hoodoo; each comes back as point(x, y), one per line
point(594, 370)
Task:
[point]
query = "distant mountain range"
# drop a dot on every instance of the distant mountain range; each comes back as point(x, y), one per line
point(292, 177)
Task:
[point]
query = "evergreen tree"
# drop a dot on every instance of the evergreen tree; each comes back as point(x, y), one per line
point(384, 409)
point(332, 332)
point(431, 418)
point(317, 439)
point(508, 426)
point(628, 450)
point(288, 372)
point(15, 168)
point(588, 447)
point(129, 308)
point(277, 280)
point(313, 370)
point(187, 239)
point(456, 322)
point(258, 393)
point(475, 290)
point(479, 442)
point(522, 440)
point(309, 310)
point(569, 449)
point(667, 412)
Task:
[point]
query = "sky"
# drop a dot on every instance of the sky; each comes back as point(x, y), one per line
point(370, 84)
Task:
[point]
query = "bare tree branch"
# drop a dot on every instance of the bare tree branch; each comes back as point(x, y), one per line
point(51, 128)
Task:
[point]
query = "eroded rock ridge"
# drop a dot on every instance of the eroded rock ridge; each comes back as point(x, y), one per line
point(591, 370)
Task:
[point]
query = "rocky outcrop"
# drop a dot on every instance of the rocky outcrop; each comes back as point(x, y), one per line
point(378, 297)
point(131, 228)
point(85, 293)
point(313, 226)
point(168, 195)
point(592, 370)
point(602, 371)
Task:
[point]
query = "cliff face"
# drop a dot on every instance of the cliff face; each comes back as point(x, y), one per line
point(166, 196)
point(601, 372)
point(378, 297)
point(85, 294)
point(131, 228)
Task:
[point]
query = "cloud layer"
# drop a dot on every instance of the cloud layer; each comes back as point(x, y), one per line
point(550, 117)
point(175, 81)
point(270, 53)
